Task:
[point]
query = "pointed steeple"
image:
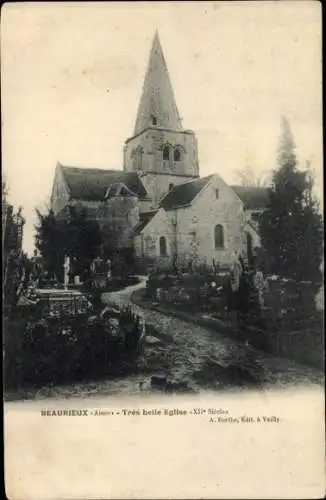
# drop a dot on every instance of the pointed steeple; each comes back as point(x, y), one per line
point(157, 105)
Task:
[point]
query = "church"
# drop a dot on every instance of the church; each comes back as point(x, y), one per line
point(158, 205)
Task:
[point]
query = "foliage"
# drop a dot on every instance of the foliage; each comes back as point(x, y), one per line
point(50, 242)
point(292, 228)
point(43, 351)
point(190, 290)
point(83, 238)
point(4, 191)
point(78, 237)
point(14, 260)
point(123, 263)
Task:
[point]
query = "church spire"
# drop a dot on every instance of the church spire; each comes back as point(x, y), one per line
point(157, 105)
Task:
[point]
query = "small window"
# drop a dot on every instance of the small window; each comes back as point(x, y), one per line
point(166, 153)
point(177, 155)
point(163, 246)
point(219, 236)
point(171, 186)
point(217, 193)
point(154, 120)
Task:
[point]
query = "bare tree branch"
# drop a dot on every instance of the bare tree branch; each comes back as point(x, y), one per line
point(249, 178)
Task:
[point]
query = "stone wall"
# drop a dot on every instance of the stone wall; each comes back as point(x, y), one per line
point(190, 230)
point(144, 153)
point(196, 225)
point(117, 217)
point(147, 244)
point(146, 206)
point(158, 186)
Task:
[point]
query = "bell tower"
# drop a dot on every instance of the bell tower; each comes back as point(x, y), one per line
point(160, 150)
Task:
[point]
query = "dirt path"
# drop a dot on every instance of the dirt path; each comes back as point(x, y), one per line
point(206, 359)
point(192, 355)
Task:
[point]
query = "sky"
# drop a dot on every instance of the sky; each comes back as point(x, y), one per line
point(72, 75)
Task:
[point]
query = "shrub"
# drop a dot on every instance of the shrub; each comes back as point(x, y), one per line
point(189, 288)
point(60, 350)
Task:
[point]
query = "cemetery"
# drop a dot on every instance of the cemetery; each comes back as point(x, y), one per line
point(64, 333)
point(290, 323)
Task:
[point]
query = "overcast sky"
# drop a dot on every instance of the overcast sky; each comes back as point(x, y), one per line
point(72, 76)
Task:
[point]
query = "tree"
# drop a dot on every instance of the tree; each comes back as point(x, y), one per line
point(50, 242)
point(248, 177)
point(4, 191)
point(291, 228)
point(14, 260)
point(83, 238)
point(77, 237)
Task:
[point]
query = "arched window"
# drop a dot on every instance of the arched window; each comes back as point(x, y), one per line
point(137, 158)
point(163, 246)
point(140, 152)
point(219, 236)
point(166, 153)
point(177, 154)
point(154, 120)
point(133, 156)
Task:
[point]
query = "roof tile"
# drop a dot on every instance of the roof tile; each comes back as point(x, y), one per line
point(183, 194)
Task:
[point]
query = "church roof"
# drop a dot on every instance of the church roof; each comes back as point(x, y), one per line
point(183, 194)
point(92, 184)
point(118, 189)
point(253, 197)
point(157, 105)
point(145, 218)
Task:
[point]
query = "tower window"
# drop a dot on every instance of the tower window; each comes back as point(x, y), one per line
point(154, 120)
point(217, 194)
point(177, 155)
point(140, 160)
point(137, 157)
point(166, 153)
point(219, 236)
point(163, 246)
